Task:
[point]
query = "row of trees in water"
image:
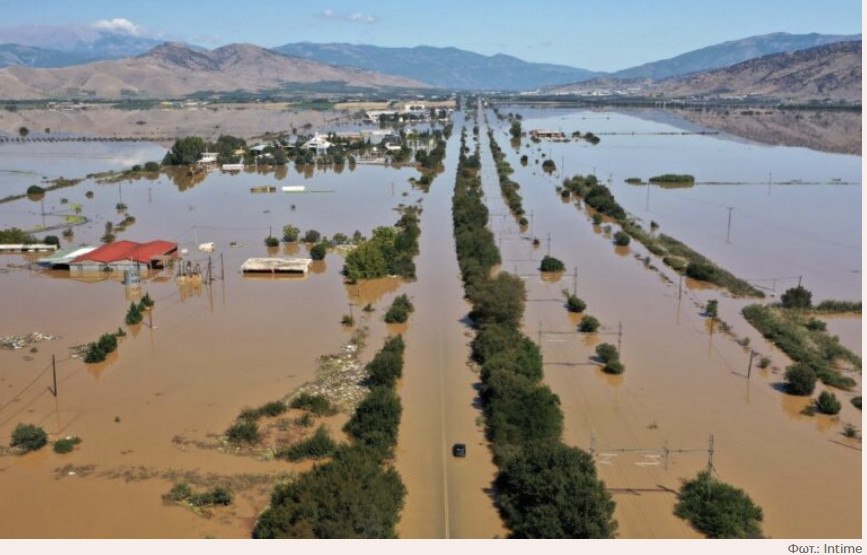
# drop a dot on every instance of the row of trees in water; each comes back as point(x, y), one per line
point(544, 489)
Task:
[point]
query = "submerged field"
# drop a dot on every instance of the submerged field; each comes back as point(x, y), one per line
point(153, 412)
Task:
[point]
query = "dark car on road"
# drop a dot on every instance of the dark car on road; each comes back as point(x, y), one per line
point(459, 450)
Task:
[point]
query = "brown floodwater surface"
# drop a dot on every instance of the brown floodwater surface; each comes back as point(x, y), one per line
point(682, 383)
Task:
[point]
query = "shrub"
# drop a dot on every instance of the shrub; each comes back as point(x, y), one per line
point(574, 304)
point(376, 421)
point(318, 251)
point(214, 496)
point(94, 354)
point(387, 365)
point(551, 264)
point(850, 430)
point(52, 240)
point(597, 218)
point(499, 300)
point(35, 191)
point(133, 315)
point(800, 379)
point(607, 352)
point(856, 402)
point(814, 324)
point(399, 311)
point(613, 367)
point(290, 233)
point(152, 166)
point(243, 431)
point(318, 446)
point(588, 324)
point(764, 362)
point(717, 509)
point(712, 308)
point(271, 242)
point(179, 492)
point(827, 403)
point(347, 320)
point(797, 297)
point(311, 236)
point(316, 404)
point(701, 271)
point(271, 408)
point(28, 437)
point(621, 239)
point(66, 444)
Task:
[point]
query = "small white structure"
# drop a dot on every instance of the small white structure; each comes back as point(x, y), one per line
point(232, 167)
point(276, 265)
point(259, 149)
point(208, 158)
point(293, 188)
point(318, 143)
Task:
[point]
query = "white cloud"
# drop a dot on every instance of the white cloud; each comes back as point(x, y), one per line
point(354, 17)
point(118, 25)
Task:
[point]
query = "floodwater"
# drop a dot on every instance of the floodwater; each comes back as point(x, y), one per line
point(779, 232)
point(447, 497)
point(683, 384)
point(152, 411)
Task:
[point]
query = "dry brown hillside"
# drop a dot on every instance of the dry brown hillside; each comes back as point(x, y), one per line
point(174, 70)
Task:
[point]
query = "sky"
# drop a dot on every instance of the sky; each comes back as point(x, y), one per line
point(602, 35)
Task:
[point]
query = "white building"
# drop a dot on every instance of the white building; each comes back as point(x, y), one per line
point(318, 143)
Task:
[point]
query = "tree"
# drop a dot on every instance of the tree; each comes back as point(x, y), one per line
point(376, 421)
point(318, 251)
point(28, 437)
point(353, 496)
point(290, 233)
point(515, 129)
point(797, 297)
point(607, 352)
point(271, 242)
point(551, 264)
point(52, 240)
point(551, 491)
point(500, 300)
point(574, 304)
point(23, 131)
point(712, 308)
point(185, 151)
point(621, 239)
point(588, 324)
point(800, 379)
point(133, 315)
point(827, 403)
point(311, 236)
point(717, 509)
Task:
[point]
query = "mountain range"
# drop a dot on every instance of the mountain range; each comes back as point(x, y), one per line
point(174, 70)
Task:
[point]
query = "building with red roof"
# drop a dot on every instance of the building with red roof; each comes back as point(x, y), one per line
point(122, 255)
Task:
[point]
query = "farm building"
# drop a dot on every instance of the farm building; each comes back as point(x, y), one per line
point(123, 255)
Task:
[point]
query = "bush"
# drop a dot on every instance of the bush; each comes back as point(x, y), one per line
point(551, 264)
point(607, 352)
point(214, 496)
point(318, 446)
point(133, 315)
point(376, 421)
point(387, 365)
point(94, 354)
point(317, 404)
point(552, 491)
point(827, 403)
point(574, 304)
point(621, 239)
point(814, 324)
point(701, 271)
point(856, 402)
point(290, 233)
point(613, 367)
point(797, 297)
point(271, 242)
point(28, 437)
point(152, 167)
point(318, 251)
point(311, 236)
point(588, 324)
point(800, 379)
point(243, 431)
point(718, 510)
point(66, 445)
point(597, 218)
point(399, 311)
point(52, 240)
point(499, 300)
point(712, 308)
point(764, 362)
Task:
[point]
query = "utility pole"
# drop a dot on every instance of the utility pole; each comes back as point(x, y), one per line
point(799, 280)
point(531, 223)
point(619, 335)
point(679, 287)
point(729, 228)
point(549, 243)
point(54, 375)
point(575, 282)
point(222, 268)
point(750, 367)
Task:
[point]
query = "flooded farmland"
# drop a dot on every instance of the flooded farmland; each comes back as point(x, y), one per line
point(684, 382)
point(152, 412)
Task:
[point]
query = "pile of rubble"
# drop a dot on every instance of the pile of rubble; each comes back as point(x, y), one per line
point(16, 342)
point(340, 379)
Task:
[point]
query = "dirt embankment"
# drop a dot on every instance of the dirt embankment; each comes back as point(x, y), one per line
point(243, 120)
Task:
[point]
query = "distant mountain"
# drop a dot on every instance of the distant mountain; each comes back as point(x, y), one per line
point(174, 70)
point(729, 53)
point(30, 56)
point(830, 72)
point(449, 68)
point(105, 40)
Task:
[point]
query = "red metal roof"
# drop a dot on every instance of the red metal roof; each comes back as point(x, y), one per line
point(129, 250)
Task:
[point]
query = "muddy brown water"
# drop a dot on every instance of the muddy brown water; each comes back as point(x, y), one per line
point(212, 350)
point(681, 383)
